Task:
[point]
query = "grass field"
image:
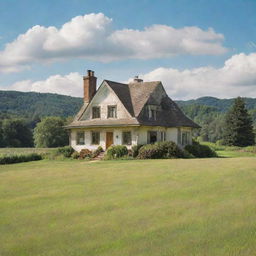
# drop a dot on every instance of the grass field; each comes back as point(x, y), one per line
point(118, 208)
point(19, 151)
point(231, 151)
point(234, 153)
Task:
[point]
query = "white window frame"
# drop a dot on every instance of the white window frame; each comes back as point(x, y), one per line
point(115, 111)
point(162, 136)
point(92, 142)
point(95, 107)
point(78, 139)
point(152, 112)
point(130, 143)
point(185, 137)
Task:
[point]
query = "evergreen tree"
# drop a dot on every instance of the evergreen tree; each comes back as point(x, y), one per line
point(238, 128)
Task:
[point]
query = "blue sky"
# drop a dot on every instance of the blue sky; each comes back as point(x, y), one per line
point(187, 72)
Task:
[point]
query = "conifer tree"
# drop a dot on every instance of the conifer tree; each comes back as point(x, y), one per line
point(238, 127)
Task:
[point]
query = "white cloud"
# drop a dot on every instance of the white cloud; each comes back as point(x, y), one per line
point(71, 84)
point(92, 37)
point(236, 78)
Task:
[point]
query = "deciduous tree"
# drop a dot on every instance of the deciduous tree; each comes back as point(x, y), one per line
point(50, 133)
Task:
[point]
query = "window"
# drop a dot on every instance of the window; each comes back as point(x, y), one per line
point(127, 138)
point(111, 111)
point(95, 138)
point(152, 137)
point(163, 136)
point(152, 112)
point(80, 138)
point(95, 112)
point(185, 138)
point(179, 136)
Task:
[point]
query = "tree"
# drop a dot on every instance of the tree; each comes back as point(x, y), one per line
point(238, 128)
point(50, 133)
point(1, 135)
point(16, 133)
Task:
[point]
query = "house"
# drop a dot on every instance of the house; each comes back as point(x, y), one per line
point(128, 114)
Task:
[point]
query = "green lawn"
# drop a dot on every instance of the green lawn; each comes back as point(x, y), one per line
point(234, 153)
point(198, 207)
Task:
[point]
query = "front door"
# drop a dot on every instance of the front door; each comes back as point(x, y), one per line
point(109, 139)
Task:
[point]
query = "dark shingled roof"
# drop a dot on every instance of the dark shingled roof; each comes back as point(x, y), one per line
point(134, 97)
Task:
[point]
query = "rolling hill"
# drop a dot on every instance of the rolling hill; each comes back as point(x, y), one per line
point(31, 104)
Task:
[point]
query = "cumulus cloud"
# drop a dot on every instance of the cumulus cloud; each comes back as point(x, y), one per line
point(92, 37)
point(237, 77)
point(71, 84)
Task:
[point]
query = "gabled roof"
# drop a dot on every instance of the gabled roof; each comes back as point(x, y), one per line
point(134, 97)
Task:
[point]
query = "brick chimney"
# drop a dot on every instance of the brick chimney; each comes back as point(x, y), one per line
point(89, 86)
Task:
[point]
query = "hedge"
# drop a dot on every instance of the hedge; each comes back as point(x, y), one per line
point(12, 159)
point(199, 150)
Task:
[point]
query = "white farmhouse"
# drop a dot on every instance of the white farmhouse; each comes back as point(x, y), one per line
point(127, 114)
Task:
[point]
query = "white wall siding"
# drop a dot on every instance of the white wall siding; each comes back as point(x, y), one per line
point(117, 137)
point(172, 135)
point(139, 136)
point(87, 136)
point(104, 98)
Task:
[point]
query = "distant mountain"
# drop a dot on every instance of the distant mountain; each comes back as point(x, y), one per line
point(221, 105)
point(31, 104)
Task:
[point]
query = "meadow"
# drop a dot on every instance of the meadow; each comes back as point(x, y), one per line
point(20, 151)
point(137, 207)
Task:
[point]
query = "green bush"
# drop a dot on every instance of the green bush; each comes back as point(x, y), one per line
point(66, 151)
point(199, 150)
point(97, 151)
point(12, 159)
point(135, 150)
point(75, 155)
point(116, 151)
point(187, 154)
point(149, 151)
point(167, 149)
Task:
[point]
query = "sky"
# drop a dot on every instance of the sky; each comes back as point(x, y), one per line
point(196, 48)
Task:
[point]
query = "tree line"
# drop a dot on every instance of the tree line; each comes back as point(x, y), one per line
point(232, 128)
point(43, 133)
point(216, 124)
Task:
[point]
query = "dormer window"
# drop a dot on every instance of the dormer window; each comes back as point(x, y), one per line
point(152, 112)
point(112, 112)
point(95, 112)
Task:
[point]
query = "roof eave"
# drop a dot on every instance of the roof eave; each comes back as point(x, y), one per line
point(99, 126)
